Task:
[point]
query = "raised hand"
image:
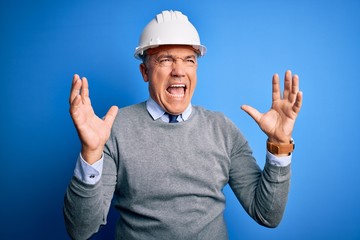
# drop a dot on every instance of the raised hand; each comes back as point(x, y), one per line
point(278, 122)
point(92, 130)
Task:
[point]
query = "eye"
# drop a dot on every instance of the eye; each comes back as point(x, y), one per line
point(164, 60)
point(190, 61)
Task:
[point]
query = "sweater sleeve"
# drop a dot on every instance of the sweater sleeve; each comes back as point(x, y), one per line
point(86, 205)
point(262, 193)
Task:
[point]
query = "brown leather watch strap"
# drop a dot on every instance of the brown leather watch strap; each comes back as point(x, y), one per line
point(275, 148)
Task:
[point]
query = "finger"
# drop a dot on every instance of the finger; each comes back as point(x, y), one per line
point(276, 95)
point(75, 88)
point(294, 88)
point(74, 105)
point(111, 115)
point(84, 89)
point(298, 102)
point(287, 84)
point(255, 114)
point(75, 78)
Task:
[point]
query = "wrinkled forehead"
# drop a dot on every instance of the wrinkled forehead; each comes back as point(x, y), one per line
point(172, 50)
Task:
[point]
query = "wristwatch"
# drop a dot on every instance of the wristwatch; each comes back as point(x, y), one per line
point(275, 148)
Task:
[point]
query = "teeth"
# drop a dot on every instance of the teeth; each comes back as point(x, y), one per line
point(178, 85)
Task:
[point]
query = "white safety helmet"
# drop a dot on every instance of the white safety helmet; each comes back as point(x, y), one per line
point(169, 28)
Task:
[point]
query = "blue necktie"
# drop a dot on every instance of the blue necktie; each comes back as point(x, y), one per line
point(173, 118)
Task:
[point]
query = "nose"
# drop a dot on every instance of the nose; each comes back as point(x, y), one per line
point(178, 69)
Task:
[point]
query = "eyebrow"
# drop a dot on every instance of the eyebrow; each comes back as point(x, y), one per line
point(173, 56)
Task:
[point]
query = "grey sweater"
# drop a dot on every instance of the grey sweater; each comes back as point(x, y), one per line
point(166, 179)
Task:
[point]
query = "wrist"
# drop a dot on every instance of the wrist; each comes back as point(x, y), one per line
point(91, 156)
point(286, 140)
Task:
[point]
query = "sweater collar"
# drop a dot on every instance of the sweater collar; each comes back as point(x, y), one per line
point(157, 112)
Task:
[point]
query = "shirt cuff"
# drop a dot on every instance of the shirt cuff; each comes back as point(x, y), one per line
point(89, 174)
point(278, 161)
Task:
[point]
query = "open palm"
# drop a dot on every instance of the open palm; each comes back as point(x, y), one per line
point(278, 122)
point(92, 130)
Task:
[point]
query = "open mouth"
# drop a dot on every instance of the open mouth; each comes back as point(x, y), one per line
point(176, 90)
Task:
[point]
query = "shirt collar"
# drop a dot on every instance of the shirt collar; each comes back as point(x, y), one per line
point(157, 112)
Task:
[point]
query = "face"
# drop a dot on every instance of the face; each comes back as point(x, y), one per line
point(171, 74)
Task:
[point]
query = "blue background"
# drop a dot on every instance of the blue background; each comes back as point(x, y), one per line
point(43, 43)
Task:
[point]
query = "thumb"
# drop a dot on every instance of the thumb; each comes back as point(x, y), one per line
point(110, 115)
point(255, 114)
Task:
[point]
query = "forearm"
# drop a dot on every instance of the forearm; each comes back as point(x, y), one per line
point(262, 193)
point(84, 209)
point(268, 205)
point(86, 205)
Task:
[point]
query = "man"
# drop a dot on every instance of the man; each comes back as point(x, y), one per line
point(164, 161)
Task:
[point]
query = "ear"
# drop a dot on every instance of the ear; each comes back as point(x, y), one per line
point(144, 72)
